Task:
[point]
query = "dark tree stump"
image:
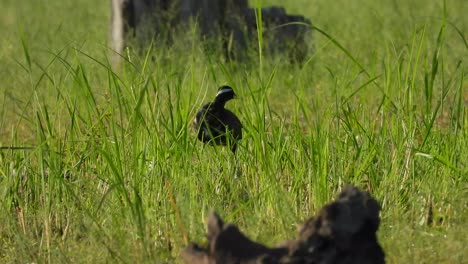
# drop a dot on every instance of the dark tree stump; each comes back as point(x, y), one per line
point(230, 21)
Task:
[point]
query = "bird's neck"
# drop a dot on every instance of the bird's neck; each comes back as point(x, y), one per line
point(219, 103)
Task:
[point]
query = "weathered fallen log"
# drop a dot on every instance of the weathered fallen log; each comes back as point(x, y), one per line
point(344, 232)
point(230, 21)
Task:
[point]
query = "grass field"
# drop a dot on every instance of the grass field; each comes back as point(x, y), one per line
point(111, 170)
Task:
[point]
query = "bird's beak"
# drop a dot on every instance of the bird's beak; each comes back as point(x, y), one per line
point(235, 96)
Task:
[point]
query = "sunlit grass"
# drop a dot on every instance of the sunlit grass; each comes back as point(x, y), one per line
point(101, 164)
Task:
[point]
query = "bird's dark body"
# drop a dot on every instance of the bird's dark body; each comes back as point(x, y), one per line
point(217, 125)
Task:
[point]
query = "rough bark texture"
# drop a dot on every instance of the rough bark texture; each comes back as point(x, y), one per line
point(230, 20)
point(344, 232)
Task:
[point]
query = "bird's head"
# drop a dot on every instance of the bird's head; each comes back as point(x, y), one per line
point(225, 93)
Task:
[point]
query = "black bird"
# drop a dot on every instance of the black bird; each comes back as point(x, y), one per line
point(217, 125)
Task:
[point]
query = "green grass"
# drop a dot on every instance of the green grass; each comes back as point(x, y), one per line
point(111, 170)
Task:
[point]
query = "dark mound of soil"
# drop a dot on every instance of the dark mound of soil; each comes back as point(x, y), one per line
point(343, 232)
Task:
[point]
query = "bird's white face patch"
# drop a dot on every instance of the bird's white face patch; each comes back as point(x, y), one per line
point(223, 91)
